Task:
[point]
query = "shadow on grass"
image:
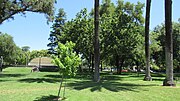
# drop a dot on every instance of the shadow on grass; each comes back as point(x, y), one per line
point(39, 80)
point(3, 80)
point(11, 75)
point(53, 76)
point(108, 85)
point(158, 74)
point(79, 76)
point(114, 83)
point(158, 79)
point(47, 98)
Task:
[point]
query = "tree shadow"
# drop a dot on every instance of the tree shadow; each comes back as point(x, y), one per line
point(157, 79)
point(108, 85)
point(158, 74)
point(4, 80)
point(11, 75)
point(53, 76)
point(79, 76)
point(47, 98)
point(39, 80)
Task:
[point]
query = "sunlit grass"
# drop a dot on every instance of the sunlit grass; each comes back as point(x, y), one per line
point(19, 84)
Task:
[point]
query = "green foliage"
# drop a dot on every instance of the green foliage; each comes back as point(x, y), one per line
point(39, 53)
point(66, 59)
point(7, 48)
point(8, 8)
point(25, 48)
point(158, 44)
point(121, 32)
point(57, 31)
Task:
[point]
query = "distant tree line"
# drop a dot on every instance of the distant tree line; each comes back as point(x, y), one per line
point(14, 55)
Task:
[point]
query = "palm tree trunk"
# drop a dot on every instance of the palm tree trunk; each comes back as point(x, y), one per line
point(147, 50)
point(169, 44)
point(96, 42)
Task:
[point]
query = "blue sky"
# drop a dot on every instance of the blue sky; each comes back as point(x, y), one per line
point(33, 30)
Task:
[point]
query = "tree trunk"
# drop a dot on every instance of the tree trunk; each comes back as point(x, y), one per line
point(64, 88)
point(1, 63)
point(60, 85)
point(147, 50)
point(92, 63)
point(117, 64)
point(178, 69)
point(168, 44)
point(89, 62)
point(138, 69)
point(101, 66)
point(121, 65)
point(0, 69)
point(96, 42)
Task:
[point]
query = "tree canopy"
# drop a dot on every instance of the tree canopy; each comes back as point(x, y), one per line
point(8, 8)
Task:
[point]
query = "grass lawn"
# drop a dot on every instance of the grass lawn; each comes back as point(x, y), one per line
point(19, 84)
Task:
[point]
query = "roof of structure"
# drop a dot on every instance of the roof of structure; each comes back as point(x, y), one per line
point(41, 61)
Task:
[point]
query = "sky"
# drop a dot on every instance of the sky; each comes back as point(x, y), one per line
point(33, 30)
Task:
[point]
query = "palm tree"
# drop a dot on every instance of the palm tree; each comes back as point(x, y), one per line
point(169, 44)
point(26, 49)
point(96, 42)
point(147, 50)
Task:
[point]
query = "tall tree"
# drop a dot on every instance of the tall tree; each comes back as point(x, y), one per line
point(158, 53)
point(96, 42)
point(57, 30)
point(123, 33)
point(168, 44)
point(26, 49)
point(7, 48)
point(8, 8)
point(147, 49)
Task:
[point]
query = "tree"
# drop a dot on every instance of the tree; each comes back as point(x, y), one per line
point(80, 31)
point(158, 49)
point(57, 31)
point(20, 56)
point(107, 7)
point(25, 49)
point(67, 61)
point(8, 8)
point(38, 53)
point(169, 44)
point(147, 49)
point(96, 42)
point(122, 33)
point(7, 48)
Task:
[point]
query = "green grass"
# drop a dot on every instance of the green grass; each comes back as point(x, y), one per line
point(19, 84)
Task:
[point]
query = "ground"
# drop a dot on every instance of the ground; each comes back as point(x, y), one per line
point(19, 84)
